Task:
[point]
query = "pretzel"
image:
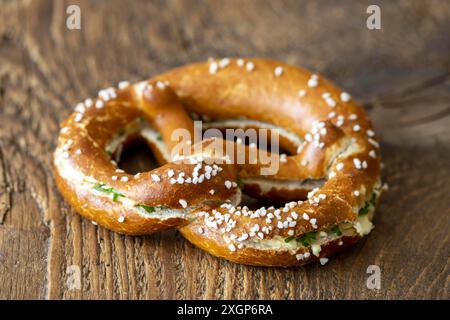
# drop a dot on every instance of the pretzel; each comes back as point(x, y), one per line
point(329, 183)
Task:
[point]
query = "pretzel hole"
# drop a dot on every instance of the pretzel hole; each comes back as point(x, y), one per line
point(254, 203)
point(137, 156)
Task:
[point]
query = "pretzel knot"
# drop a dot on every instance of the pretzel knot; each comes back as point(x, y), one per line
point(323, 192)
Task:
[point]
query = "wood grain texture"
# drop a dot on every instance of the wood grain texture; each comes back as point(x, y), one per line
point(401, 73)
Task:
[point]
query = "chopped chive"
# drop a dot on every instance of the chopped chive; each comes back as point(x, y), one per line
point(372, 202)
point(288, 239)
point(364, 210)
point(102, 187)
point(106, 189)
point(336, 230)
point(159, 137)
point(150, 209)
point(307, 239)
point(240, 183)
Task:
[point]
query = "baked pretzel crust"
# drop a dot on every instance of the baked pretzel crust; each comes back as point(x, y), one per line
point(331, 180)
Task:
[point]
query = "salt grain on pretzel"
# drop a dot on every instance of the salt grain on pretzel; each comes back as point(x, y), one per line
point(330, 181)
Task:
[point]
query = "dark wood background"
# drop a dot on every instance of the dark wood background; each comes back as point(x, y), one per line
point(400, 73)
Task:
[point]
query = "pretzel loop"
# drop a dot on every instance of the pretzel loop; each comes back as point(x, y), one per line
point(330, 180)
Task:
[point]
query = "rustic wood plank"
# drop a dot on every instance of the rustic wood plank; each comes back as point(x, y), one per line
point(401, 73)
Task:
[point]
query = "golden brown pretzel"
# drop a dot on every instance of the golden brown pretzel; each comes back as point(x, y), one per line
point(331, 182)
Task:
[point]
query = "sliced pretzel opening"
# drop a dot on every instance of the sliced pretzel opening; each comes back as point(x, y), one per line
point(137, 157)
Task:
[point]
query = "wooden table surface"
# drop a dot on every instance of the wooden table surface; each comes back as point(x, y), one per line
point(400, 73)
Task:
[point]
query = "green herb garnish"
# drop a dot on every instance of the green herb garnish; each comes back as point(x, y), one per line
point(240, 183)
point(307, 239)
point(372, 202)
point(150, 209)
point(288, 239)
point(336, 230)
point(364, 210)
point(121, 132)
point(108, 153)
point(106, 189)
point(103, 188)
point(159, 137)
